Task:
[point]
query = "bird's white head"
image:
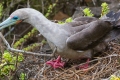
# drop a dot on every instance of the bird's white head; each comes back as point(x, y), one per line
point(20, 15)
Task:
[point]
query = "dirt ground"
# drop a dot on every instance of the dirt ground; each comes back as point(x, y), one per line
point(101, 66)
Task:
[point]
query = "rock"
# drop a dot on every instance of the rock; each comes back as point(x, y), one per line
point(79, 11)
point(113, 5)
point(60, 16)
point(109, 1)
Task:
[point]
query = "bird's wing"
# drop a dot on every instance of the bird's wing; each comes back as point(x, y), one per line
point(89, 36)
point(81, 21)
point(85, 19)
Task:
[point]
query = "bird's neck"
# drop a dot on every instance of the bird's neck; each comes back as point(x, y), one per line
point(47, 28)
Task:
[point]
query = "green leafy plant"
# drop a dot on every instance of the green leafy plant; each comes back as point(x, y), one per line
point(113, 77)
point(25, 38)
point(1, 9)
point(87, 12)
point(22, 76)
point(105, 8)
point(50, 9)
point(32, 47)
point(8, 63)
point(66, 21)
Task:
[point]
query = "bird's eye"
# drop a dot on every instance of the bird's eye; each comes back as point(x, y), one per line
point(15, 17)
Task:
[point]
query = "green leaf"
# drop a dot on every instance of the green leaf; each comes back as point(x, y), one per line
point(7, 56)
point(87, 12)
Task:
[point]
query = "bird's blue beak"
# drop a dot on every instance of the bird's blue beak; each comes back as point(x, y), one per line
point(9, 21)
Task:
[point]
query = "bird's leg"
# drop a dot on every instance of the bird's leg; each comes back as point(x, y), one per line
point(84, 66)
point(55, 63)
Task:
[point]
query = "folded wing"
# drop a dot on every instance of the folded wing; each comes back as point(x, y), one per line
point(90, 36)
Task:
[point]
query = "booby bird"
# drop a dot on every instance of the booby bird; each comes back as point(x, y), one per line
point(80, 38)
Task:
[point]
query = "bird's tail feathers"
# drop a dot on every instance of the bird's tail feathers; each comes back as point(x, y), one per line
point(113, 18)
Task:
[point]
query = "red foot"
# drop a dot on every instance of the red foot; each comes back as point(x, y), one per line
point(56, 63)
point(85, 66)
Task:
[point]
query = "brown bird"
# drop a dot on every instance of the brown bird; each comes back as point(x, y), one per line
point(80, 38)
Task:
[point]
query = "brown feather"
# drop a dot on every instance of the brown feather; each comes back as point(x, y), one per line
point(89, 37)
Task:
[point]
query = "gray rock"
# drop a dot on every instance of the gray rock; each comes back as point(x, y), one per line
point(79, 11)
